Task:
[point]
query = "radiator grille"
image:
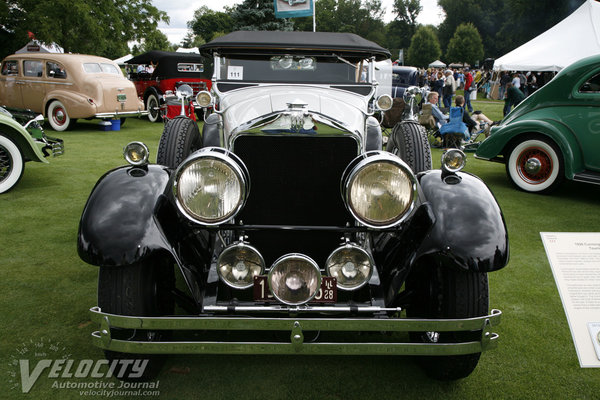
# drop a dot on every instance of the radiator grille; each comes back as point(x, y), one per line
point(295, 180)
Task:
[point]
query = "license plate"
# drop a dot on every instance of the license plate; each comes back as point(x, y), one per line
point(121, 97)
point(326, 294)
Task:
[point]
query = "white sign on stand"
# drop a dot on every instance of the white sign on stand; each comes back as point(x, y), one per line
point(575, 262)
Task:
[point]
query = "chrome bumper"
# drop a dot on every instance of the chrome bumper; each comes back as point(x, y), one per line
point(296, 328)
point(121, 114)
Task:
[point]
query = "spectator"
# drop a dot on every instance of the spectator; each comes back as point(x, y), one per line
point(513, 97)
point(475, 122)
point(516, 81)
point(504, 79)
point(438, 85)
point(433, 99)
point(449, 89)
point(468, 89)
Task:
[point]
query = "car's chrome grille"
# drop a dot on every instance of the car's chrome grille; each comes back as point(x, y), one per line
point(295, 181)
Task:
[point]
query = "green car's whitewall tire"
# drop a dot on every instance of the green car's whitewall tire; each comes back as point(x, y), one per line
point(535, 165)
point(11, 164)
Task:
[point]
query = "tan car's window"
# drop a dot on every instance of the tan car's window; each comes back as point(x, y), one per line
point(95, 68)
point(55, 70)
point(591, 85)
point(32, 68)
point(10, 68)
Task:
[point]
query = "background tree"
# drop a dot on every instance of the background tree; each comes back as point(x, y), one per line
point(191, 40)
point(156, 40)
point(365, 18)
point(206, 22)
point(403, 27)
point(465, 46)
point(257, 15)
point(424, 47)
point(83, 26)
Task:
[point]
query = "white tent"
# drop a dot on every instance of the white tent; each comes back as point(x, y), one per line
point(437, 64)
point(35, 46)
point(122, 60)
point(572, 39)
point(184, 50)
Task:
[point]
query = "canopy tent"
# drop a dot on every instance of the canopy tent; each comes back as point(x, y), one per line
point(192, 50)
point(124, 59)
point(437, 64)
point(35, 46)
point(572, 39)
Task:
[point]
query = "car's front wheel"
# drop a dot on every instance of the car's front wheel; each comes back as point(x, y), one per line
point(11, 164)
point(408, 141)
point(443, 292)
point(153, 108)
point(179, 139)
point(142, 289)
point(58, 116)
point(535, 164)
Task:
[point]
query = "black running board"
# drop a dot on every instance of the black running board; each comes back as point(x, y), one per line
point(588, 177)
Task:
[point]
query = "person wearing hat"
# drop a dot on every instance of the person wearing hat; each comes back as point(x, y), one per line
point(449, 88)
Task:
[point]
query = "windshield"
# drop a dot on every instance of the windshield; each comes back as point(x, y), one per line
point(293, 69)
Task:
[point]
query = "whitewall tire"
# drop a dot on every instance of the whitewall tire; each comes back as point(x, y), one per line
point(58, 116)
point(11, 164)
point(535, 165)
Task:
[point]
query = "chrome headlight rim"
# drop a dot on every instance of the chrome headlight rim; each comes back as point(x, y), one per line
point(384, 102)
point(127, 153)
point(362, 161)
point(204, 98)
point(356, 247)
point(233, 247)
point(233, 162)
point(280, 261)
point(450, 158)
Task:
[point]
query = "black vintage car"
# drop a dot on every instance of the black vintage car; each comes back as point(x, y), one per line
point(157, 73)
point(286, 228)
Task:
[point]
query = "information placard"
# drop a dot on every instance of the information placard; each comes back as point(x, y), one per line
point(575, 262)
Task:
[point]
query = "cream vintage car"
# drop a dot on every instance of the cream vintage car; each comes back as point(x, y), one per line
point(64, 87)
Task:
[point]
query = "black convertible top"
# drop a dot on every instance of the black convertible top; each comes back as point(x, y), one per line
point(345, 43)
point(155, 56)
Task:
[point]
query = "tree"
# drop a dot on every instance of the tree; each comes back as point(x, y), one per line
point(400, 31)
point(365, 18)
point(206, 22)
point(465, 45)
point(257, 15)
point(154, 41)
point(191, 40)
point(424, 47)
point(100, 27)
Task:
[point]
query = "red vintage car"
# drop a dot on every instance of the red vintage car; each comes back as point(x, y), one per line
point(159, 73)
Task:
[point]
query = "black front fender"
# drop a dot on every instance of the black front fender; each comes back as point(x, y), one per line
point(117, 226)
point(469, 232)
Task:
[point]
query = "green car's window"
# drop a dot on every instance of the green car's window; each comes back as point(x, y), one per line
point(54, 70)
point(10, 68)
point(591, 85)
point(32, 68)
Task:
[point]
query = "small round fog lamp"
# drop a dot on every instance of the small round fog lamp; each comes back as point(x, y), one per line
point(351, 265)
point(453, 160)
point(238, 264)
point(203, 98)
point(294, 279)
point(136, 153)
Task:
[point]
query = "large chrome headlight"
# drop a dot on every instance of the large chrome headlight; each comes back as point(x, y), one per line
point(238, 264)
point(211, 186)
point(351, 265)
point(294, 279)
point(379, 189)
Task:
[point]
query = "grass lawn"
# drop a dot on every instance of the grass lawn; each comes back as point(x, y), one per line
point(46, 291)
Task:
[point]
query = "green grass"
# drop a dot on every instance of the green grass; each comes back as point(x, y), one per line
point(46, 291)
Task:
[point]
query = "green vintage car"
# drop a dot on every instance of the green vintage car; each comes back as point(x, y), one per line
point(554, 133)
point(22, 139)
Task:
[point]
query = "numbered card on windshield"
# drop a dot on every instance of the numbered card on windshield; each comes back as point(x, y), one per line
point(235, 72)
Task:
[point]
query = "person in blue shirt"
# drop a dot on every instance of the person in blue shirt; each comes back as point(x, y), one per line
point(440, 118)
